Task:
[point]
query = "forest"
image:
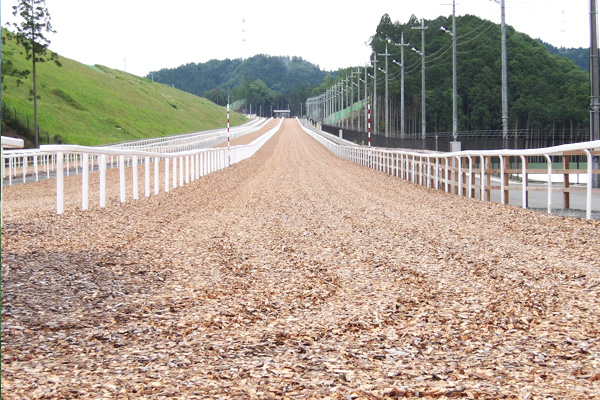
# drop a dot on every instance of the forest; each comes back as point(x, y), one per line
point(545, 92)
point(579, 55)
point(265, 82)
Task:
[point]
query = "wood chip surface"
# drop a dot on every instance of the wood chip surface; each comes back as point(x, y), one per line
point(295, 274)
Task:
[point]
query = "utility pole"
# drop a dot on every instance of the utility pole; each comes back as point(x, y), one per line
point(401, 64)
point(228, 136)
point(387, 103)
point(454, 102)
point(358, 95)
point(504, 77)
point(341, 103)
point(422, 28)
point(454, 78)
point(352, 100)
point(595, 89)
point(329, 104)
point(348, 86)
point(366, 97)
point(374, 116)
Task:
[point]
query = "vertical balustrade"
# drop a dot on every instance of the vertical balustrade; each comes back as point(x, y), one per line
point(60, 184)
point(549, 189)
point(134, 163)
point(103, 180)
point(85, 182)
point(156, 176)
point(147, 176)
point(122, 178)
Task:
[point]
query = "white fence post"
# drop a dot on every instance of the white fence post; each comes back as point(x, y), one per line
point(156, 176)
point(549, 160)
point(35, 167)
point(482, 178)
point(24, 169)
point(588, 197)
point(103, 162)
point(134, 163)
point(147, 176)
point(174, 172)
point(122, 178)
point(166, 174)
point(60, 184)
point(524, 182)
point(85, 180)
point(181, 169)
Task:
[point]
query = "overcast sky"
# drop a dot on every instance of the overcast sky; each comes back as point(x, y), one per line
point(146, 35)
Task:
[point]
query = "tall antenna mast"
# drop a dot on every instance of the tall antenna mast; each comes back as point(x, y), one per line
point(243, 37)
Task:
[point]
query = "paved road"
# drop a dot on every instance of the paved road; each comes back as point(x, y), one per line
point(296, 274)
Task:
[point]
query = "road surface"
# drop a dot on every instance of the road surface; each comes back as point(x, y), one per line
point(296, 274)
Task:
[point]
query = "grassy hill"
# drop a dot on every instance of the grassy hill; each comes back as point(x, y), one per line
point(91, 105)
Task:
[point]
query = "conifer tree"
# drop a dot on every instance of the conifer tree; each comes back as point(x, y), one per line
point(31, 34)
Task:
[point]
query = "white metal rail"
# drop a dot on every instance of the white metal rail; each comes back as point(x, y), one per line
point(9, 143)
point(469, 173)
point(23, 162)
point(178, 169)
point(190, 141)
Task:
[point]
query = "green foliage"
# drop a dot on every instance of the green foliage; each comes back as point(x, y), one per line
point(256, 92)
point(261, 80)
point(545, 91)
point(580, 56)
point(31, 32)
point(93, 105)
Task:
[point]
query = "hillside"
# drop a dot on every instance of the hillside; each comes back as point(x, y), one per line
point(93, 105)
point(280, 74)
point(545, 93)
point(277, 80)
point(580, 56)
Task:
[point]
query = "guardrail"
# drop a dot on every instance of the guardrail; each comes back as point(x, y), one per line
point(178, 169)
point(469, 173)
point(190, 141)
point(9, 143)
point(17, 163)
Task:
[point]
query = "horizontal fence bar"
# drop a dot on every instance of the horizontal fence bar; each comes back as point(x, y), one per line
point(470, 173)
point(64, 160)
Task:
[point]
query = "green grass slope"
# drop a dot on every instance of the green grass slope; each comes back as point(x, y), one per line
point(91, 105)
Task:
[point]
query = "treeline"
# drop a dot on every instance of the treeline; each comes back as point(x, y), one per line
point(266, 82)
point(545, 92)
point(580, 56)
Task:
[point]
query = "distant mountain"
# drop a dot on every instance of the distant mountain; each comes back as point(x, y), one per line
point(580, 56)
point(284, 77)
point(280, 74)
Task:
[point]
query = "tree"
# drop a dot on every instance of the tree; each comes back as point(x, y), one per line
point(30, 34)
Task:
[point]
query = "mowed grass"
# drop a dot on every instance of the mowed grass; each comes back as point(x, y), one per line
point(92, 105)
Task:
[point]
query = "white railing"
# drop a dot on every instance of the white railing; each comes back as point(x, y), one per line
point(9, 143)
point(24, 163)
point(178, 168)
point(469, 173)
point(190, 141)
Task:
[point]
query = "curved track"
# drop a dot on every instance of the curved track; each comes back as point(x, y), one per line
point(295, 274)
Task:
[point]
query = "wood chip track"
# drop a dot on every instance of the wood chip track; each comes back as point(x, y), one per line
point(296, 274)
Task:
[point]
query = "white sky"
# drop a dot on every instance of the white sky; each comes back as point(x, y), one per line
point(147, 35)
